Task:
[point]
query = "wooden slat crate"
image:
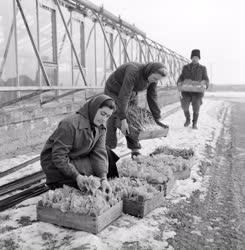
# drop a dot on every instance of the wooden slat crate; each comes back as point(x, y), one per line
point(142, 208)
point(156, 133)
point(192, 86)
point(77, 221)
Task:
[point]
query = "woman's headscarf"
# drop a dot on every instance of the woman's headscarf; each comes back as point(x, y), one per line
point(154, 67)
point(91, 107)
point(94, 104)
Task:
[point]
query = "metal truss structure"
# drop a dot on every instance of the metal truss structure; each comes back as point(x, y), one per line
point(100, 43)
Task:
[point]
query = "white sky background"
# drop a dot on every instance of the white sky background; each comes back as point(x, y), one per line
point(216, 27)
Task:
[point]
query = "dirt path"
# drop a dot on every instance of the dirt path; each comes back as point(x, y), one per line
point(217, 221)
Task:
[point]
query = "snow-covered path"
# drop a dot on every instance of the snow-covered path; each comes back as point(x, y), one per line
point(217, 221)
point(20, 230)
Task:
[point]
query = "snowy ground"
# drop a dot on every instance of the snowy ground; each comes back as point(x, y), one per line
point(230, 94)
point(20, 229)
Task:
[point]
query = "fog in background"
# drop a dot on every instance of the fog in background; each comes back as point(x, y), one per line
point(216, 27)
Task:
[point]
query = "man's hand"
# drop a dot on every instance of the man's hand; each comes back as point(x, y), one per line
point(158, 122)
point(106, 187)
point(124, 127)
point(204, 82)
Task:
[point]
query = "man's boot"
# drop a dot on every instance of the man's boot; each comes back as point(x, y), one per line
point(195, 118)
point(187, 117)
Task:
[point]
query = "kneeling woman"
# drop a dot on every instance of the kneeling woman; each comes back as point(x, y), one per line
point(77, 146)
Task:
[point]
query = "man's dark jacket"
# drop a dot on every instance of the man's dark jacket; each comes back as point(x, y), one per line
point(195, 72)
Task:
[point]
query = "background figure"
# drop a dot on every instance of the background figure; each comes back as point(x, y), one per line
point(123, 86)
point(196, 72)
point(77, 147)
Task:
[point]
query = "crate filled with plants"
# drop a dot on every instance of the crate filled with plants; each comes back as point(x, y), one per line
point(156, 181)
point(192, 86)
point(142, 124)
point(139, 197)
point(90, 209)
point(180, 160)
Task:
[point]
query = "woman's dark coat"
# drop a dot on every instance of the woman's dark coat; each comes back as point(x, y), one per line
point(76, 146)
point(131, 78)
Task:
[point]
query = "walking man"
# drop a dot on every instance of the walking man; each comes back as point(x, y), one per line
point(196, 72)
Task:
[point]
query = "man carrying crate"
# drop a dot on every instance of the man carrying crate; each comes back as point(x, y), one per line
point(192, 83)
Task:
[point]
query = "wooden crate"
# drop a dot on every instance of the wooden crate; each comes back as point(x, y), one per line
point(156, 133)
point(142, 208)
point(192, 86)
point(77, 221)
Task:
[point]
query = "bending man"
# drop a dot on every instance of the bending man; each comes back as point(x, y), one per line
point(196, 72)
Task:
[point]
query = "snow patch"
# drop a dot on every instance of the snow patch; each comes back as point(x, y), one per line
point(151, 231)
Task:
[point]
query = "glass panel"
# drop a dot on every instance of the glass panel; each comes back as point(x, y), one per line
point(156, 57)
point(149, 58)
point(77, 77)
point(64, 48)
point(129, 47)
point(109, 62)
point(48, 51)
point(116, 49)
point(164, 58)
point(51, 71)
point(78, 40)
point(100, 56)
point(82, 41)
point(7, 50)
point(152, 54)
point(78, 37)
point(28, 64)
point(47, 34)
point(124, 55)
point(136, 51)
point(90, 50)
point(111, 42)
point(143, 53)
point(159, 57)
point(168, 65)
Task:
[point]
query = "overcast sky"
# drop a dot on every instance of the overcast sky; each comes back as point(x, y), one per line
point(216, 27)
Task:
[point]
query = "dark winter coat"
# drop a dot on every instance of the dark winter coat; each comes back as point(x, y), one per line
point(76, 146)
point(128, 80)
point(195, 72)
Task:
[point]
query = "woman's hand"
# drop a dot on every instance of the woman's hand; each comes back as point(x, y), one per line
point(124, 127)
point(80, 181)
point(106, 187)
